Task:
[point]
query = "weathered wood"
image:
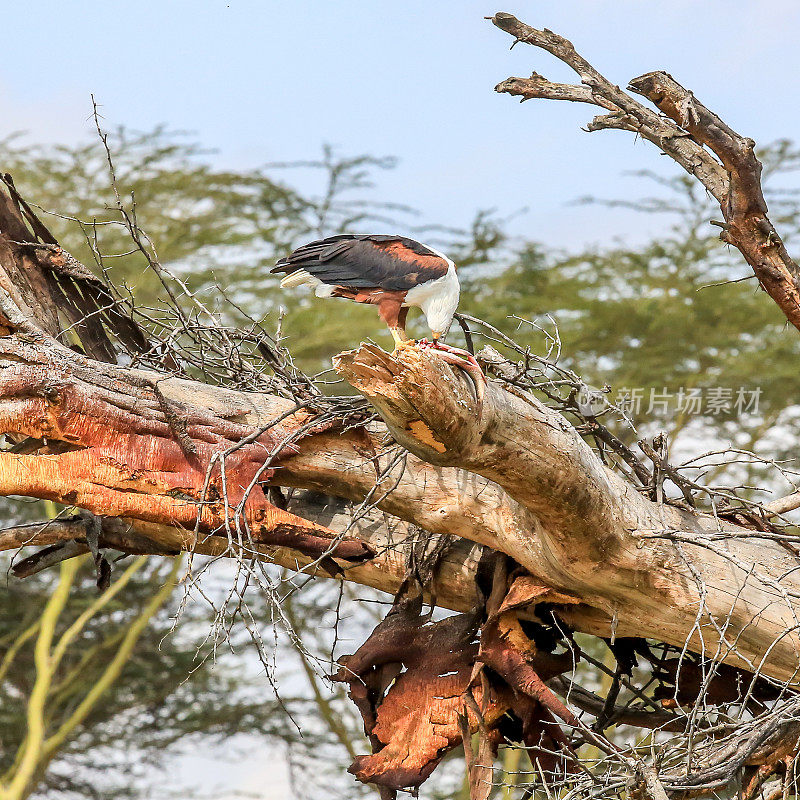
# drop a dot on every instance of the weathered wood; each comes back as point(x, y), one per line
point(525, 484)
point(591, 533)
point(108, 446)
point(532, 489)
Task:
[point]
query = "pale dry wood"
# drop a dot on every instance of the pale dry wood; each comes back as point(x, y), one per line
point(524, 483)
point(783, 504)
point(453, 586)
point(345, 464)
point(652, 567)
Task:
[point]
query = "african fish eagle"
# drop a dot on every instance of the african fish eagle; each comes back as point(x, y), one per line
point(392, 272)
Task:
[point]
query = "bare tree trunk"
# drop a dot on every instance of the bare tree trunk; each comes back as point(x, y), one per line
point(519, 480)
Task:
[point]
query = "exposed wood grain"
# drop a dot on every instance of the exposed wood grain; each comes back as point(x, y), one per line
point(592, 534)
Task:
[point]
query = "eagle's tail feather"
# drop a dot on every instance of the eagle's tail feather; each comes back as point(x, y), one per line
point(297, 278)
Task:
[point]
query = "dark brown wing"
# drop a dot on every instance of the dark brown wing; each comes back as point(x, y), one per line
point(393, 263)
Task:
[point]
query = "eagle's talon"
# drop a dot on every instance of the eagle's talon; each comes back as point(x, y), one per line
point(462, 359)
point(465, 354)
point(402, 345)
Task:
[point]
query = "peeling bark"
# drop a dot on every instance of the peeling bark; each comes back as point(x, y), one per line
point(108, 447)
point(608, 559)
point(591, 533)
point(421, 690)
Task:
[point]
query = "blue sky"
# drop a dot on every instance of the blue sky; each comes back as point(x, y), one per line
point(268, 81)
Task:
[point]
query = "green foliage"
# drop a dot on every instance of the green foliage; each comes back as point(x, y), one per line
point(177, 693)
point(199, 218)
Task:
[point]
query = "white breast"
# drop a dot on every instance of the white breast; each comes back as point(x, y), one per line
point(438, 299)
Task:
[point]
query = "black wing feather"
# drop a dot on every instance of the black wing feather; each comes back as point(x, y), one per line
point(366, 262)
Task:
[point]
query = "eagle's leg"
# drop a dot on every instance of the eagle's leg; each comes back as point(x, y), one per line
point(394, 315)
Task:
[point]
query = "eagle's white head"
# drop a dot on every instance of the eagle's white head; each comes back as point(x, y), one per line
point(438, 300)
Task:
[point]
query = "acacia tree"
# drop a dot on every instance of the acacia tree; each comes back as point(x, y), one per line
point(693, 588)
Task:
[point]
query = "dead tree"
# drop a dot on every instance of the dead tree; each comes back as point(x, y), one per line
point(533, 536)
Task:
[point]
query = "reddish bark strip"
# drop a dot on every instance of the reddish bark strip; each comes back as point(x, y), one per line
point(420, 688)
point(111, 449)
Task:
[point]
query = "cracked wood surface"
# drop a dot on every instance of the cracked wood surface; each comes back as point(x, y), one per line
point(533, 489)
point(107, 446)
point(590, 532)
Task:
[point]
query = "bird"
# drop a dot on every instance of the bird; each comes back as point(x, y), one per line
point(392, 272)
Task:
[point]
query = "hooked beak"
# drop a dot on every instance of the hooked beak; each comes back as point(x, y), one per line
point(436, 335)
